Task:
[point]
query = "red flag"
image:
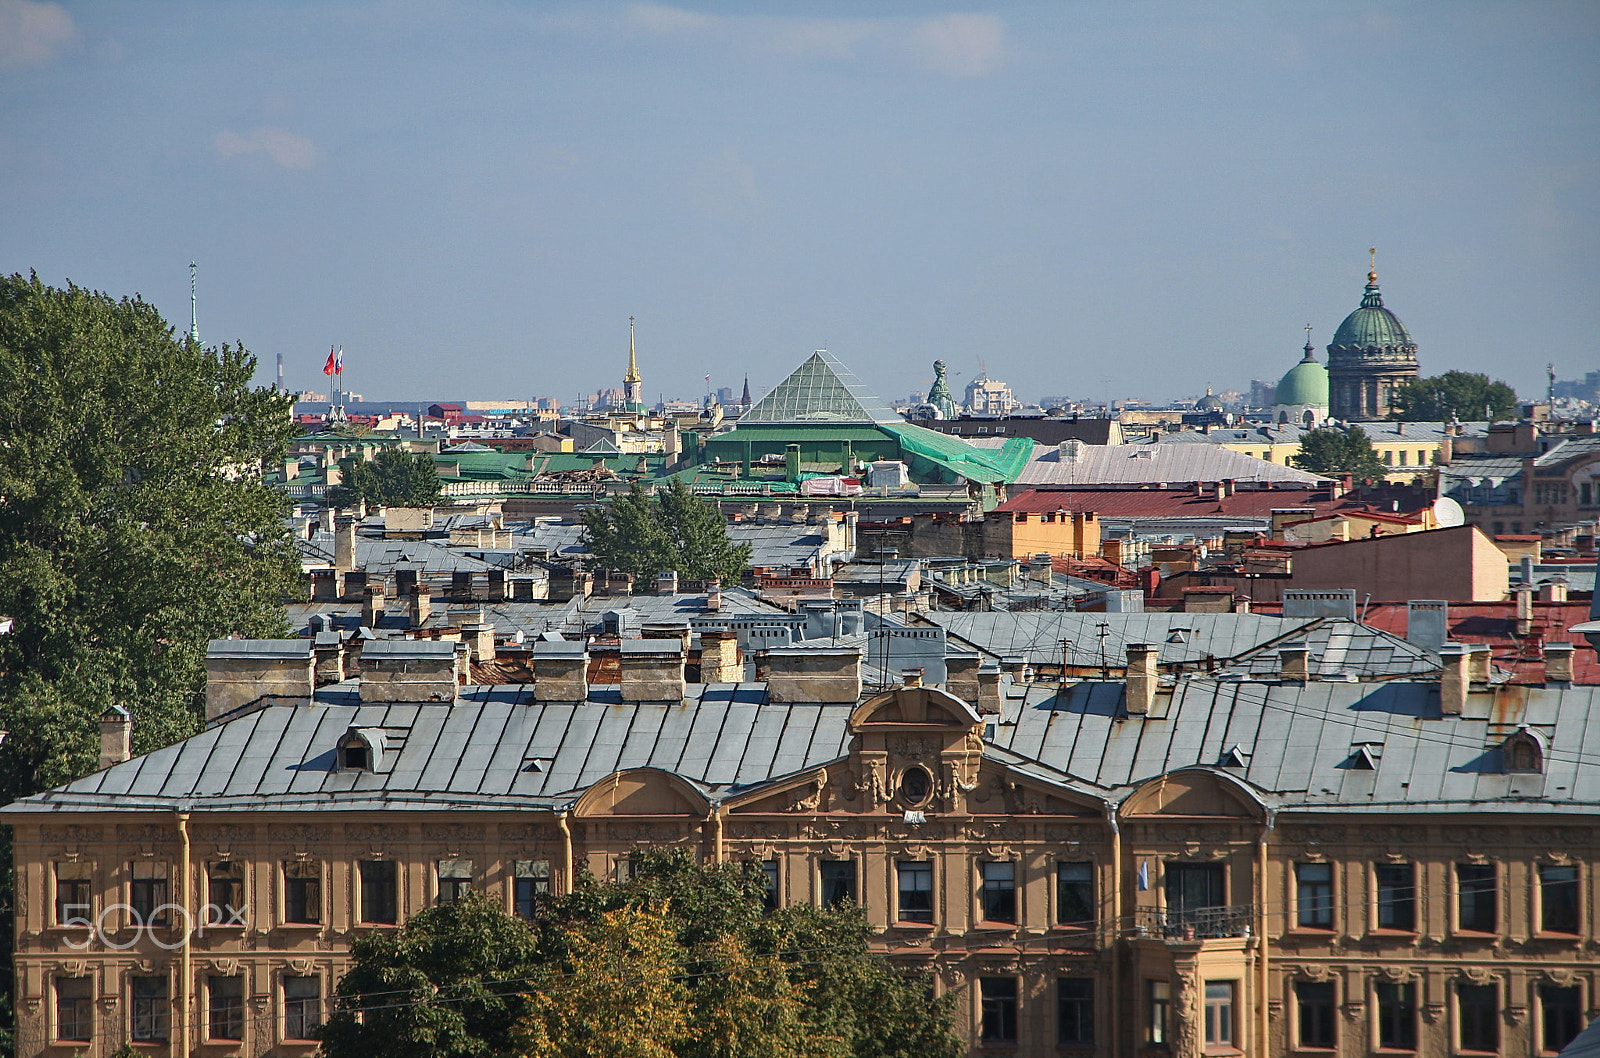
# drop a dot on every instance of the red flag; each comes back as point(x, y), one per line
point(328, 368)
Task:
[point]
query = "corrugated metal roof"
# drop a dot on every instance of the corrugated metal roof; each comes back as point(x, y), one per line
point(1153, 463)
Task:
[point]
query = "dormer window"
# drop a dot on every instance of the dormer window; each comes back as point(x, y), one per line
point(1523, 753)
point(361, 749)
point(356, 759)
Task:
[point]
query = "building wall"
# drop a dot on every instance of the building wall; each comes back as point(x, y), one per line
point(1458, 563)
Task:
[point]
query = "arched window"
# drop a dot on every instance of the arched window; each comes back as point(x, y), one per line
point(1523, 753)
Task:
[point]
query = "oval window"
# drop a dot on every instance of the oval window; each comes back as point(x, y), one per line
point(915, 785)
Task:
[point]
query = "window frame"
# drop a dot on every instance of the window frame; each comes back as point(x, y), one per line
point(82, 883)
point(1408, 900)
point(82, 1016)
point(1403, 1010)
point(1484, 1018)
point(233, 905)
point(1001, 892)
point(231, 1014)
point(454, 887)
point(528, 884)
point(1326, 1011)
point(1076, 1011)
point(1002, 1027)
point(149, 1016)
point(1219, 1021)
point(1086, 897)
point(1320, 904)
point(1157, 1011)
point(1477, 893)
point(913, 870)
point(304, 876)
point(378, 894)
point(1574, 899)
point(1543, 1028)
point(294, 1007)
point(826, 885)
point(149, 895)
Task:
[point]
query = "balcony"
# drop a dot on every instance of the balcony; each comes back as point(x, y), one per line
point(1201, 923)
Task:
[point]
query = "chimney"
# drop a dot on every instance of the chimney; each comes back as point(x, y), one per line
point(1294, 662)
point(1017, 666)
point(373, 603)
point(652, 670)
point(719, 656)
point(344, 543)
point(679, 630)
point(961, 675)
point(327, 652)
point(667, 582)
point(801, 674)
point(1524, 596)
point(421, 605)
point(1453, 679)
point(116, 736)
point(1553, 591)
point(911, 677)
point(497, 591)
point(1557, 662)
point(988, 688)
point(1478, 658)
point(1526, 567)
point(480, 640)
point(291, 469)
point(560, 671)
point(619, 584)
point(714, 594)
point(241, 671)
point(408, 670)
point(1143, 678)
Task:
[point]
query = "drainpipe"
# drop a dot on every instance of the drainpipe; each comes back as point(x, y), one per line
point(566, 847)
point(186, 969)
point(1118, 928)
point(716, 832)
point(1263, 1019)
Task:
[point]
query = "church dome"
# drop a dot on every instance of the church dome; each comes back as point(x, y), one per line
point(1306, 383)
point(1208, 402)
point(1372, 325)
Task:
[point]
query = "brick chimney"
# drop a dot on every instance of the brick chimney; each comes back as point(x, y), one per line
point(652, 670)
point(373, 603)
point(667, 582)
point(961, 674)
point(911, 678)
point(1454, 679)
point(421, 605)
point(719, 656)
point(1142, 679)
point(1478, 662)
point(327, 649)
point(344, 543)
point(1294, 662)
point(714, 595)
point(241, 671)
point(1524, 595)
point(1558, 659)
point(408, 670)
point(801, 674)
point(988, 688)
point(1553, 591)
point(479, 636)
point(560, 671)
point(116, 736)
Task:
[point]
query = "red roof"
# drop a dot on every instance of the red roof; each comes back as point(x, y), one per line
point(1371, 515)
point(1167, 503)
point(1495, 623)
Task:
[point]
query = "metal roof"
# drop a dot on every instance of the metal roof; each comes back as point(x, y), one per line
point(1153, 463)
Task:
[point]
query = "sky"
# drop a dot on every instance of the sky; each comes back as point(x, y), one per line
point(1129, 198)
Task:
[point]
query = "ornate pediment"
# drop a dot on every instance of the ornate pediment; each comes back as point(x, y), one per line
point(914, 709)
point(1194, 792)
point(641, 792)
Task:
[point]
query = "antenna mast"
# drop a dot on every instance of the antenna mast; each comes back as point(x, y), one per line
point(194, 318)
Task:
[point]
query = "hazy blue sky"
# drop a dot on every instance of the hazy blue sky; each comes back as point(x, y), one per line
point(1135, 198)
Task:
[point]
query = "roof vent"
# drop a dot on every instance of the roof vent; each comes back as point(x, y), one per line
point(1235, 757)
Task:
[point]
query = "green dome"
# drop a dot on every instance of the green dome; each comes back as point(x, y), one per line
point(1371, 324)
point(1306, 383)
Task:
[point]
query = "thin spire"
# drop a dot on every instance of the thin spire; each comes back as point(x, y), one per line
point(1372, 272)
point(194, 316)
point(1311, 356)
point(633, 361)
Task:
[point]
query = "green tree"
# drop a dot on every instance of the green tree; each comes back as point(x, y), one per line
point(678, 962)
point(675, 529)
point(394, 478)
point(134, 523)
point(1454, 395)
point(1332, 450)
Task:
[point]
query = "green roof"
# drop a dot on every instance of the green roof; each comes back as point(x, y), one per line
point(988, 465)
point(1371, 324)
point(1306, 383)
point(820, 390)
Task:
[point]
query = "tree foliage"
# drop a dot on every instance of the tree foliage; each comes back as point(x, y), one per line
point(1454, 395)
point(1332, 450)
point(394, 478)
point(678, 962)
point(676, 529)
point(134, 524)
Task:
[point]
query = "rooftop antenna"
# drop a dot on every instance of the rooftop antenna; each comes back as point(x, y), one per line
point(1550, 390)
point(194, 318)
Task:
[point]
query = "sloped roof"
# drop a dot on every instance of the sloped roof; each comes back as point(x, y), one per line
point(820, 390)
point(1154, 463)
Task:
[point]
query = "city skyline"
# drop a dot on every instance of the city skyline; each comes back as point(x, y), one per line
point(1097, 201)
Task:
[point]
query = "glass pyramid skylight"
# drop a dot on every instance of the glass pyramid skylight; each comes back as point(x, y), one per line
point(821, 390)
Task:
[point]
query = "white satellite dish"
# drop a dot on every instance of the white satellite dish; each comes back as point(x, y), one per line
point(1447, 513)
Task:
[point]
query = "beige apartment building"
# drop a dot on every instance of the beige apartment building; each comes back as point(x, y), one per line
point(1165, 866)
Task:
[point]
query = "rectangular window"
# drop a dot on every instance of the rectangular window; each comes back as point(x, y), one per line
point(1558, 898)
point(1075, 1010)
point(1475, 897)
point(1314, 895)
point(1397, 896)
point(1219, 1013)
point(302, 892)
point(1388, 457)
point(915, 886)
point(1157, 1010)
point(1478, 1011)
point(302, 1007)
point(150, 1010)
point(999, 1009)
point(1075, 894)
point(530, 880)
point(1403, 455)
point(1397, 1016)
point(455, 880)
point(379, 882)
point(999, 891)
point(1560, 1017)
point(1314, 1014)
point(769, 895)
point(225, 894)
point(1192, 889)
point(147, 893)
point(74, 1009)
point(74, 904)
point(225, 1008)
point(838, 882)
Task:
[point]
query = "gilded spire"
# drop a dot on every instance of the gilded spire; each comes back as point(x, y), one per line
point(1372, 272)
point(633, 360)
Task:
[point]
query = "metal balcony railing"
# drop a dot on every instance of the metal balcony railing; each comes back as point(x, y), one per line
point(1201, 923)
